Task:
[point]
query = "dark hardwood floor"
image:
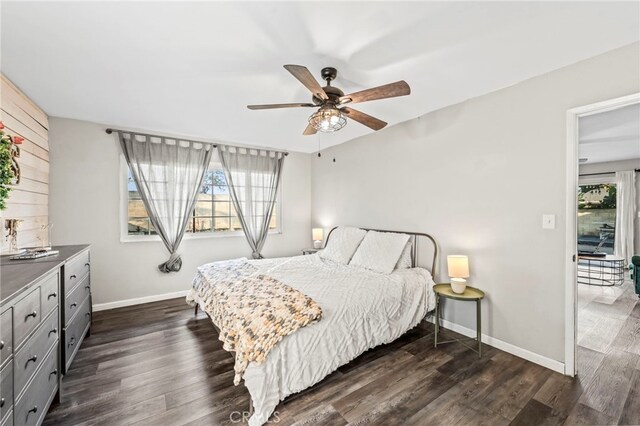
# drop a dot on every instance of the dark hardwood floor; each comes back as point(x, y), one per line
point(157, 364)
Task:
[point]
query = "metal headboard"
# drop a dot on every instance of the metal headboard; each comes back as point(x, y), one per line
point(414, 246)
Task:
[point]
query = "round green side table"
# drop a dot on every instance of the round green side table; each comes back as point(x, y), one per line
point(471, 294)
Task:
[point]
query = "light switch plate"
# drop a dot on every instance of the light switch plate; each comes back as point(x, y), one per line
point(548, 221)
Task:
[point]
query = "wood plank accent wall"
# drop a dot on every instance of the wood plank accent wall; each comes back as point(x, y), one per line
point(28, 200)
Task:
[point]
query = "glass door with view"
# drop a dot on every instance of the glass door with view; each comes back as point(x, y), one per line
point(596, 218)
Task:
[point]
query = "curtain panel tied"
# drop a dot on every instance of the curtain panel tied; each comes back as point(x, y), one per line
point(253, 177)
point(168, 173)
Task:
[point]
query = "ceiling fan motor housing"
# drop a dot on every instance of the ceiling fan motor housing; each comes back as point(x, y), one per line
point(334, 94)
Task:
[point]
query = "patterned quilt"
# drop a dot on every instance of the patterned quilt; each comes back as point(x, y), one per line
point(252, 310)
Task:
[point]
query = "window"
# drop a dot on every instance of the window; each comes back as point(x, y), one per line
point(214, 212)
point(596, 217)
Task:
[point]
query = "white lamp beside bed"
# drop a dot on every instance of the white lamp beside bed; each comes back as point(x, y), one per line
point(317, 235)
point(458, 267)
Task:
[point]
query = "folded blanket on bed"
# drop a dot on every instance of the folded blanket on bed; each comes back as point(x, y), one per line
point(253, 311)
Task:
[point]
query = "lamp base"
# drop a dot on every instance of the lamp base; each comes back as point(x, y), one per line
point(317, 244)
point(458, 285)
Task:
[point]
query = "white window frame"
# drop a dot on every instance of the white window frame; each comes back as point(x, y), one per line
point(124, 216)
point(609, 178)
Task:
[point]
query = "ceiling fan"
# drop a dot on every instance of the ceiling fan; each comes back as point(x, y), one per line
point(329, 100)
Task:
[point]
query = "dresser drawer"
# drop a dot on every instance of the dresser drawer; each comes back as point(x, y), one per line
point(75, 270)
point(6, 335)
point(6, 390)
point(49, 294)
point(32, 354)
point(33, 404)
point(26, 316)
point(74, 333)
point(75, 298)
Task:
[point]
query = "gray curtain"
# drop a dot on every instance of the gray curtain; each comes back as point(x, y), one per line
point(253, 177)
point(625, 214)
point(168, 173)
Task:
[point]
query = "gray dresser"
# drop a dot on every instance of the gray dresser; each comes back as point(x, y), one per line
point(45, 312)
point(76, 312)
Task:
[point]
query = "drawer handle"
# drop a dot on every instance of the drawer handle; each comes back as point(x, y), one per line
point(54, 372)
point(72, 341)
point(1, 402)
point(87, 314)
point(32, 314)
point(33, 410)
point(34, 358)
point(1, 344)
point(87, 264)
point(55, 330)
point(52, 295)
point(73, 305)
point(72, 276)
point(87, 287)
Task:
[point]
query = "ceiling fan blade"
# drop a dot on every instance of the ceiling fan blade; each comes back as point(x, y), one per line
point(363, 118)
point(274, 106)
point(391, 90)
point(310, 130)
point(305, 77)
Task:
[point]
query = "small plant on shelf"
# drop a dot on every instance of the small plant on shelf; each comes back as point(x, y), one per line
point(9, 168)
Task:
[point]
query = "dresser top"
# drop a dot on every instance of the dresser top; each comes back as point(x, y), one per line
point(18, 275)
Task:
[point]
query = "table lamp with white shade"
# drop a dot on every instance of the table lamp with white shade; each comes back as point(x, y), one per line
point(318, 235)
point(458, 270)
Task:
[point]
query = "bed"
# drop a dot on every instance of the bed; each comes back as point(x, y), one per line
point(361, 309)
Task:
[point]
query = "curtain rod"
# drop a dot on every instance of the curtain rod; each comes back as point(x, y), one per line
point(604, 173)
point(215, 145)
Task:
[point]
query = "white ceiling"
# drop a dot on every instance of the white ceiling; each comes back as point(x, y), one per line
point(190, 68)
point(610, 136)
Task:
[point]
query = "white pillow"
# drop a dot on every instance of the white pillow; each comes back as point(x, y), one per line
point(405, 258)
point(342, 244)
point(380, 251)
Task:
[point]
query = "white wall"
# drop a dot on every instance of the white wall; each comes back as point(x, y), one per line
point(84, 206)
point(617, 166)
point(478, 176)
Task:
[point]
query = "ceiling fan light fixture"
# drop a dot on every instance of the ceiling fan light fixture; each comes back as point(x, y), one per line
point(327, 119)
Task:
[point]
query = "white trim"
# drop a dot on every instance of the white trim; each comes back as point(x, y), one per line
point(138, 301)
point(571, 246)
point(597, 180)
point(549, 363)
point(188, 236)
point(489, 340)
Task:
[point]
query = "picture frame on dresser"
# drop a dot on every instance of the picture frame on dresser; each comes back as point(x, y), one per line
point(36, 323)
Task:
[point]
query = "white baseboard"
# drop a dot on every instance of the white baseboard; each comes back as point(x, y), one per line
point(138, 301)
point(489, 340)
point(549, 363)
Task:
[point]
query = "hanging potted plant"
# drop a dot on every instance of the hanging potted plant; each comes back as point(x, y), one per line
point(9, 168)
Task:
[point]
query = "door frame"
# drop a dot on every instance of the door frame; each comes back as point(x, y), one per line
point(571, 251)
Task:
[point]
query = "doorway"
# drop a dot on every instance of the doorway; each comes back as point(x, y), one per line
point(603, 140)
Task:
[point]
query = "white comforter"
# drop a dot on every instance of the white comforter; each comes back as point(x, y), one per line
point(361, 310)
